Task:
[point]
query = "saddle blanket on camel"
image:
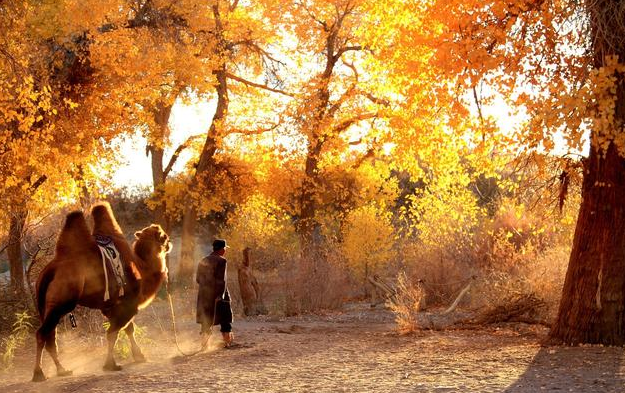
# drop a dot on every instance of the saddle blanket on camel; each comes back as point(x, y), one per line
point(111, 264)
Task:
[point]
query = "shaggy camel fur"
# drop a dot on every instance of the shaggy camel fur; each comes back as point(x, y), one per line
point(75, 277)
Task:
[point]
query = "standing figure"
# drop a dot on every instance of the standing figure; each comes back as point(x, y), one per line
point(213, 299)
point(250, 291)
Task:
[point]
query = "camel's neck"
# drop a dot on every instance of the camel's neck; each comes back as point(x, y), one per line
point(153, 273)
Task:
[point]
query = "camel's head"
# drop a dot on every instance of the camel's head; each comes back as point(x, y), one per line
point(154, 237)
point(151, 246)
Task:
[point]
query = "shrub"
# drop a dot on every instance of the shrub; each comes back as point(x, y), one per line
point(263, 226)
point(406, 304)
point(21, 329)
point(368, 241)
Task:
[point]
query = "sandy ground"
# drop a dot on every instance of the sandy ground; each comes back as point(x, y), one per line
point(353, 351)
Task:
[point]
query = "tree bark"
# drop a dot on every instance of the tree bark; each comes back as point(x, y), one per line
point(162, 113)
point(158, 182)
point(592, 309)
point(593, 299)
point(14, 251)
point(323, 113)
point(206, 161)
point(308, 225)
point(187, 246)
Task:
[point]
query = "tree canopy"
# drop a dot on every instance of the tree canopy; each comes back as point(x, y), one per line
point(345, 122)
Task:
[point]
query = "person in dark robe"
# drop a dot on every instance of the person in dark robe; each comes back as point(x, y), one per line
point(213, 299)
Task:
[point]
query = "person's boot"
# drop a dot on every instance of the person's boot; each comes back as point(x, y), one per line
point(228, 337)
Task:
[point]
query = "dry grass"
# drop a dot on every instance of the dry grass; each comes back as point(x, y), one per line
point(406, 304)
point(314, 284)
point(508, 265)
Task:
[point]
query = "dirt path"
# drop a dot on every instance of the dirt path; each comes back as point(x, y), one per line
point(356, 351)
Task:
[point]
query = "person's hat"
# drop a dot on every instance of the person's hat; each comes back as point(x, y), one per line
point(219, 244)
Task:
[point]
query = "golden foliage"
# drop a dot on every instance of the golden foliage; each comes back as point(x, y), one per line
point(368, 240)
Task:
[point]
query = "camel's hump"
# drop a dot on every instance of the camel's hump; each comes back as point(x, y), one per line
point(75, 232)
point(104, 221)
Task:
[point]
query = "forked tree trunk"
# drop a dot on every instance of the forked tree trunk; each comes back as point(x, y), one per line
point(592, 309)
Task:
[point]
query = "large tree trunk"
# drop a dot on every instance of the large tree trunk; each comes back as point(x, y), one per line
point(161, 114)
point(85, 195)
point(308, 225)
point(187, 247)
point(158, 182)
point(14, 251)
point(206, 161)
point(592, 309)
point(593, 299)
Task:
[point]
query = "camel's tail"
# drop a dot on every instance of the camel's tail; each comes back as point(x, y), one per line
point(104, 221)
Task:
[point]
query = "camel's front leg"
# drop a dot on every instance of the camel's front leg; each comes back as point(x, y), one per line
point(136, 351)
point(111, 337)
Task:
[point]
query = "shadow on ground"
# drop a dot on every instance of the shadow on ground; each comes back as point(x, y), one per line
point(573, 369)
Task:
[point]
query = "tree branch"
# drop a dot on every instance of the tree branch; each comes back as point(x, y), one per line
point(38, 183)
point(257, 85)
point(323, 24)
point(369, 154)
point(257, 131)
point(176, 154)
point(376, 100)
point(253, 45)
point(344, 125)
point(345, 49)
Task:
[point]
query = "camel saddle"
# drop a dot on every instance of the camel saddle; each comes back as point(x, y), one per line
point(112, 265)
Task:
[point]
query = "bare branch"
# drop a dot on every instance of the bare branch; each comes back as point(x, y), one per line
point(15, 65)
point(253, 45)
point(369, 154)
point(323, 24)
point(257, 131)
point(478, 104)
point(258, 85)
point(354, 70)
point(345, 49)
point(38, 183)
point(376, 100)
point(344, 125)
point(176, 154)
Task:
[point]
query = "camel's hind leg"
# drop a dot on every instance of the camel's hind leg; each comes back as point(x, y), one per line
point(46, 337)
point(52, 350)
point(38, 375)
point(136, 351)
